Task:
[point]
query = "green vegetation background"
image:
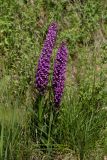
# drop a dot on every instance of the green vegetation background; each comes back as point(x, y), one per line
point(81, 127)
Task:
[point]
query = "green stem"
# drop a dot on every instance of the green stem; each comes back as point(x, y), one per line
point(50, 128)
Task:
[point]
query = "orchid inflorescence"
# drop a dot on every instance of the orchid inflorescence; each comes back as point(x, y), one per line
point(44, 60)
point(42, 73)
point(59, 73)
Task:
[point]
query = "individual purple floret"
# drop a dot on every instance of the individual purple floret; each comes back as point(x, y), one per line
point(44, 60)
point(59, 73)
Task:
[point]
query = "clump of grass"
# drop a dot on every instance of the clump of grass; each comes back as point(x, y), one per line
point(82, 124)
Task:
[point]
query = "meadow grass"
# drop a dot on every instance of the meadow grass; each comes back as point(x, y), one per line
point(78, 129)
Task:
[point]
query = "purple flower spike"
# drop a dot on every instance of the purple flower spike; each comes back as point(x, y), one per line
point(44, 60)
point(59, 73)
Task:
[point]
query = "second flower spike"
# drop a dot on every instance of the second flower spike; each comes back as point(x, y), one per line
point(59, 73)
